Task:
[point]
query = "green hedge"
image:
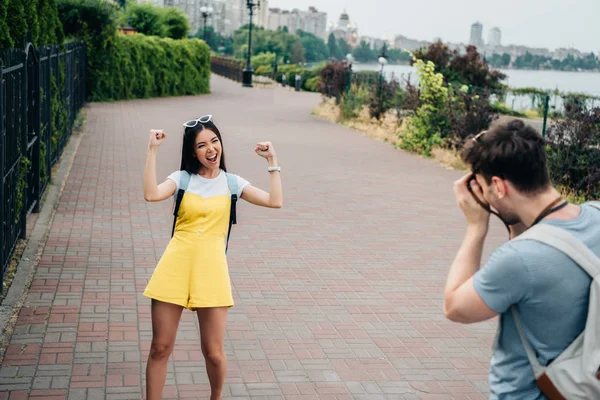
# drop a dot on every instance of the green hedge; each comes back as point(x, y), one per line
point(39, 18)
point(148, 66)
point(133, 66)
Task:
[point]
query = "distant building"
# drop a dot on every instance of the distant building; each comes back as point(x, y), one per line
point(476, 35)
point(562, 53)
point(374, 43)
point(402, 42)
point(311, 21)
point(344, 29)
point(227, 16)
point(495, 38)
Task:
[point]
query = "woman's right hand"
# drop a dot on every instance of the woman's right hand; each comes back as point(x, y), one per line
point(157, 136)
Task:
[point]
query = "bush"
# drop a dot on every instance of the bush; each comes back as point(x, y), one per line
point(147, 66)
point(313, 84)
point(426, 126)
point(263, 59)
point(574, 151)
point(94, 22)
point(353, 101)
point(467, 114)
point(383, 97)
point(147, 19)
point(134, 66)
point(334, 79)
point(264, 70)
point(407, 100)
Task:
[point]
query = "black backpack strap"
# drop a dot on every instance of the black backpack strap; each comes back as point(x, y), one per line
point(184, 180)
point(232, 183)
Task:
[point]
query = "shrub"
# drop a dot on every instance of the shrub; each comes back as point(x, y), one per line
point(264, 70)
point(353, 101)
point(383, 97)
point(574, 151)
point(147, 19)
point(263, 59)
point(94, 22)
point(334, 79)
point(132, 66)
point(149, 66)
point(467, 114)
point(408, 100)
point(313, 84)
point(425, 128)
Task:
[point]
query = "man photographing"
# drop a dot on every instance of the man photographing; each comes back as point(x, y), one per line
point(547, 289)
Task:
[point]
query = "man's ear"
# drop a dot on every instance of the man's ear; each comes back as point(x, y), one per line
point(500, 187)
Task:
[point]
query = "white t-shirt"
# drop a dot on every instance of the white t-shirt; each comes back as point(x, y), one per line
point(209, 187)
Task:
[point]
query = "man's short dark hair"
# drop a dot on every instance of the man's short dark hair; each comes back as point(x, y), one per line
point(513, 151)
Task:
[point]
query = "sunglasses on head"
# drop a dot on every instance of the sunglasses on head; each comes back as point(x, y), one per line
point(202, 120)
point(478, 136)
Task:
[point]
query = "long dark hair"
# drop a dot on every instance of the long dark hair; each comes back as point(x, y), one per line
point(189, 162)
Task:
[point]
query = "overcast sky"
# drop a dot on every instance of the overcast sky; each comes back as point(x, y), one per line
point(534, 23)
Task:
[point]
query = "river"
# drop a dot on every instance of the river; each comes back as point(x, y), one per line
point(574, 82)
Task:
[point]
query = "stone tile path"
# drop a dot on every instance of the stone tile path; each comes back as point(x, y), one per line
point(338, 294)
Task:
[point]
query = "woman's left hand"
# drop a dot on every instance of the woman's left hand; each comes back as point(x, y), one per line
point(265, 150)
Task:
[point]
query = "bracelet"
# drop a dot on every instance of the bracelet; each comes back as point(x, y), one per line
point(271, 169)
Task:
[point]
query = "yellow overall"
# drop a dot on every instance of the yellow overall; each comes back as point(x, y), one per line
point(193, 270)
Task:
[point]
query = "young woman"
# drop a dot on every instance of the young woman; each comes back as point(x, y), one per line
point(193, 272)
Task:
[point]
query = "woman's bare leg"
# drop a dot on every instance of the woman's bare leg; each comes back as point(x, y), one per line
point(165, 321)
point(212, 335)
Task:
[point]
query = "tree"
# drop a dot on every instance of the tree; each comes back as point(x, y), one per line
point(364, 53)
point(146, 19)
point(315, 48)
point(297, 53)
point(467, 69)
point(332, 45)
point(399, 56)
point(17, 23)
point(345, 48)
point(31, 16)
point(384, 49)
point(51, 28)
point(6, 41)
point(176, 23)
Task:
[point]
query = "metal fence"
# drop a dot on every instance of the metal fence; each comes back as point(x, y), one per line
point(33, 135)
point(227, 67)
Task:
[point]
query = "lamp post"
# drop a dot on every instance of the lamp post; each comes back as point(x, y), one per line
point(383, 61)
point(206, 12)
point(247, 73)
point(350, 60)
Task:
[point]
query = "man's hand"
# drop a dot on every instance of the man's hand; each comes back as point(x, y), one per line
point(477, 216)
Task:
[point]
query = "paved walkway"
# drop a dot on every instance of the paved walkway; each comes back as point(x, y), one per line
point(338, 294)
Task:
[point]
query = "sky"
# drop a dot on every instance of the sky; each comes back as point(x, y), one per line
point(534, 23)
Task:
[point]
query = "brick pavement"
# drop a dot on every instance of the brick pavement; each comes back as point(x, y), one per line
point(338, 294)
